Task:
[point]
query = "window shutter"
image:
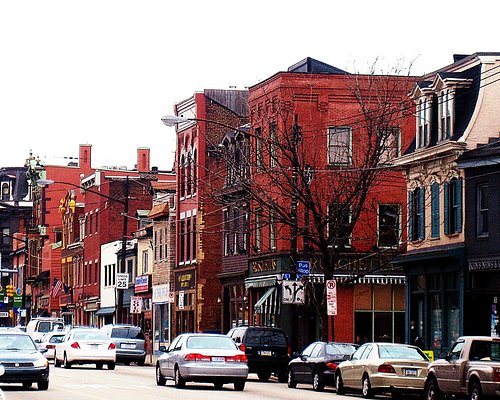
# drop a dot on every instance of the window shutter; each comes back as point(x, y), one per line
point(458, 188)
point(421, 221)
point(446, 208)
point(435, 210)
point(410, 216)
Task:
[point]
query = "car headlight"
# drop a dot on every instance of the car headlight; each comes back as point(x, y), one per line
point(41, 362)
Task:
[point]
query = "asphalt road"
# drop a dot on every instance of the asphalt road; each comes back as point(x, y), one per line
point(137, 383)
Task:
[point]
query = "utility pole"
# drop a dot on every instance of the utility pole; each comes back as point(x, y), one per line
point(119, 306)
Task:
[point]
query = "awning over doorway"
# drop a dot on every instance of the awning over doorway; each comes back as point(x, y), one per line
point(105, 311)
point(268, 303)
point(261, 281)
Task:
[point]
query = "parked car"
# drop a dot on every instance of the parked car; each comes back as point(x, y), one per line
point(85, 346)
point(39, 326)
point(383, 367)
point(471, 368)
point(203, 357)
point(317, 364)
point(49, 342)
point(130, 342)
point(21, 360)
point(267, 350)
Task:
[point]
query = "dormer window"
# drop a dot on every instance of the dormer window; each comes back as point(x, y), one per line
point(423, 123)
point(445, 114)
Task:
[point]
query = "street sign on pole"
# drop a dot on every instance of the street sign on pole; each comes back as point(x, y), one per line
point(293, 292)
point(121, 281)
point(303, 268)
point(331, 297)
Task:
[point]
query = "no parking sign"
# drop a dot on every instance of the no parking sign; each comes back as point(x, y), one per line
point(331, 297)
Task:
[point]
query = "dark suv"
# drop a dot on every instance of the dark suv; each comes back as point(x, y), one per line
point(266, 348)
point(130, 342)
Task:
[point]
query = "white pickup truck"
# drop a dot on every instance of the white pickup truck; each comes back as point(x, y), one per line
point(470, 369)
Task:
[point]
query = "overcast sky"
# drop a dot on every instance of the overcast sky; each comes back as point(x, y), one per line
point(104, 72)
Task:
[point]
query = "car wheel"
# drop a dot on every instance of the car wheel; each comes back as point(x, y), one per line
point(111, 366)
point(239, 385)
point(366, 387)
point(432, 391)
point(396, 394)
point(292, 383)
point(126, 363)
point(160, 380)
point(218, 385)
point(339, 384)
point(475, 391)
point(98, 365)
point(42, 385)
point(178, 381)
point(141, 363)
point(66, 363)
point(27, 385)
point(318, 384)
point(56, 363)
point(264, 376)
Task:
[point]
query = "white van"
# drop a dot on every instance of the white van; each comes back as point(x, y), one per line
point(39, 326)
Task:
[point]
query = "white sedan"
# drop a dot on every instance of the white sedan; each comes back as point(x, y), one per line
point(86, 346)
point(49, 342)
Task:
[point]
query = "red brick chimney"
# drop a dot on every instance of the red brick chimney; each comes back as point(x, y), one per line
point(143, 159)
point(85, 158)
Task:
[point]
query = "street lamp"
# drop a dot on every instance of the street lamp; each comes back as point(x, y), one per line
point(172, 120)
point(47, 182)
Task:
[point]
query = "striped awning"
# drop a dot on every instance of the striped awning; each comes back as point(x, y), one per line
point(366, 279)
point(268, 303)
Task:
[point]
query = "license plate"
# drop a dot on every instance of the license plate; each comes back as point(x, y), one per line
point(218, 359)
point(127, 346)
point(94, 346)
point(410, 372)
point(266, 353)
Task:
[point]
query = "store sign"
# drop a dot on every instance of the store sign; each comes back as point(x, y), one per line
point(184, 280)
point(485, 265)
point(161, 293)
point(141, 284)
point(135, 305)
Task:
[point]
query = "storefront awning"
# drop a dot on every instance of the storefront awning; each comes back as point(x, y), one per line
point(105, 311)
point(260, 282)
point(367, 279)
point(268, 303)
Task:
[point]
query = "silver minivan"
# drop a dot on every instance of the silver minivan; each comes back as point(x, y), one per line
point(130, 342)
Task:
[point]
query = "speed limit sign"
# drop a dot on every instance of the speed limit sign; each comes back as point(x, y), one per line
point(121, 281)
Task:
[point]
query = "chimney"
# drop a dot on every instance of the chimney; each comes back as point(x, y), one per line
point(143, 159)
point(85, 158)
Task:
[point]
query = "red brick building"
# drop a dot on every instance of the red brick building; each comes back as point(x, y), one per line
point(197, 287)
point(317, 106)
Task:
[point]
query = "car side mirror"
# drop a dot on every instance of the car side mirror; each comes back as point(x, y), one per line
point(42, 351)
point(347, 357)
point(37, 341)
point(295, 354)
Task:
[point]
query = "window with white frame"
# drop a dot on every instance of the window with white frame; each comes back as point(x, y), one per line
point(390, 145)
point(258, 147)
point(389, 225)
point(482, 210)
point(145, 261)
point(236, 231)
point(423, 123)
point(258, 230)
point(445, 114)
point(273, 145)
point(339, 145)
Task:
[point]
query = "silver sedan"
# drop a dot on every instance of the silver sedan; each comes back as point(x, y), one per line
point(203, 357)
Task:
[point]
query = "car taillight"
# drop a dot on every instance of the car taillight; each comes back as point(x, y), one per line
point(331, 365)
point(496, 375)
point(50, 346)
point(386, 369)
point(242, 347)
point(197, 357)
point(75, 345)
point(111, 346)
point(237, 358)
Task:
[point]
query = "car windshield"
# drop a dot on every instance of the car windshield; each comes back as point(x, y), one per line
point(339, 349)
point(401, 352)
point(207, 342)
point(127, 333)
point(56, 339)
point(16, 342)
point(265, 336)
point(485, 351)
point(90, 336)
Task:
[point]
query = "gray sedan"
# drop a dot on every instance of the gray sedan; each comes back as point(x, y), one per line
point(203, 357)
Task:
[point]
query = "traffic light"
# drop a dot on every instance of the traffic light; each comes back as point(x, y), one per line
point(11, 313)
point(9, 290)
